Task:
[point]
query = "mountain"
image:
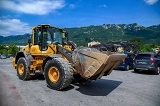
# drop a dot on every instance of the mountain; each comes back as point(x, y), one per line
point(115, 32)
point(102, 33)
point(15, 39)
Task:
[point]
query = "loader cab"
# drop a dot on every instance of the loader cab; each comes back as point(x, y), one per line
point(46, 34)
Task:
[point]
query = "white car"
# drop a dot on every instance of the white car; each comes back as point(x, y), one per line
point(3, 56)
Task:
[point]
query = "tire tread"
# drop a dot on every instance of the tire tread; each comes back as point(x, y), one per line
point(26, 75)
point(67, 72)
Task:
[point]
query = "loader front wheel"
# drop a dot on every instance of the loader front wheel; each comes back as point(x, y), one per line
point(22, 69)
point(58, 73)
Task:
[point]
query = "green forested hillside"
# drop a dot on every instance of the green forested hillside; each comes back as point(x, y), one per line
point(102, 33)
point(115, 32)
point(15, 39)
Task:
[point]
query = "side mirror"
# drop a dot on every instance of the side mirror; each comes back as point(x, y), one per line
point(29, 42)
point(66, 36)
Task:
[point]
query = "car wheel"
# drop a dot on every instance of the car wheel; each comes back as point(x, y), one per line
point(136, 70)
point(157, 71)
point(127, 67)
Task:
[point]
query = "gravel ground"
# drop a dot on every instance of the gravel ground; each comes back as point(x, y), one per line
point(120, 88)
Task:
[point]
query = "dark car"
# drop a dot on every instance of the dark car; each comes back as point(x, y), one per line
point(147, 61)
point(127, 63)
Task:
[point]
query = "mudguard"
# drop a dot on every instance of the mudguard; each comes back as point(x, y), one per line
point(26, 55)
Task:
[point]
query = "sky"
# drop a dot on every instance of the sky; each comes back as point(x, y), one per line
point(18, 16)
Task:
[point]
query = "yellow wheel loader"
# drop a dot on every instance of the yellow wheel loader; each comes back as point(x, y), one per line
point(50, 52)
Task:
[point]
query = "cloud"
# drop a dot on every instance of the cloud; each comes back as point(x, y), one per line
point(104, 6)
point(38, 7)
point(150, 2)
point(13, 27)
point(72, 6)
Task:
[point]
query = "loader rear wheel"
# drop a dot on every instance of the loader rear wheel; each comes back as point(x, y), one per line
point(58, 73)
point(22, 69)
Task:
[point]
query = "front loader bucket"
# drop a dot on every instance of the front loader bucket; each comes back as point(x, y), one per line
point(92, 64)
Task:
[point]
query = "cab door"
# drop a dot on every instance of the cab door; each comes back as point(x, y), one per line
point(40, 38)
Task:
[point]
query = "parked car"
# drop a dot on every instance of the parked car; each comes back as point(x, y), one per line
point(3, 56)
point(127, 63)
point(147, 61)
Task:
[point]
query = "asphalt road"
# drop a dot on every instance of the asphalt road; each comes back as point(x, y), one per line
point(120, 88)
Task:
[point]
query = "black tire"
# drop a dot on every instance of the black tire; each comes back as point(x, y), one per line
point(136, 70)
point(22, 69)
point(58, 73)
point(157, 72)
point(127, 67)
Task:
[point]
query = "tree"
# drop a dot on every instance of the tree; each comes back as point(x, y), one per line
point(9, 49)
point(12, 49)
point(136, 41)
point(3, 49)
point(147, 48)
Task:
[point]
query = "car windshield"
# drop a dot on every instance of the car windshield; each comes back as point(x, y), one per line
point(54, 35)
point(143, 56)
